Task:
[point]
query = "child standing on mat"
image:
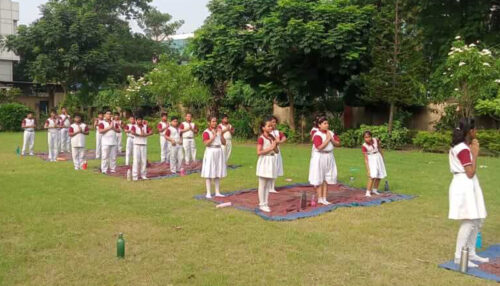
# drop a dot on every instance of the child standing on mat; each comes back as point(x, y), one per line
point(141, 132)
point(77, 132)
point(227, 132)
point(164, 143)
point(98, 135)
point(374, 163)
point(52, 126)
point(323, 169)
point(466, 196)
point(108, 130)
point(118, 124)
point(129, 147)
point(280, 139)
point(214, 161)
point(267, 167)
point(64, 140)
point(188, 132)
point(29, 125)
point(173, 137)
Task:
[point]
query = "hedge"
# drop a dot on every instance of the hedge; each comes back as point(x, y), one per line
point(489, 141)
point(11, 116)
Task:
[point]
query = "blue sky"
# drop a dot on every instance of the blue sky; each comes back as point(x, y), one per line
point(193, 12)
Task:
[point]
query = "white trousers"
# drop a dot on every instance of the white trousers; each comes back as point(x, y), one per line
point(58, 141)
point(78, 154)
point(53, 144)
point(227, 149)
point(265, 185)
point(129, 150)
point(64, 142)
point(108, 159)
point(165, 149)
point(28, 142)
point(176, 157)
point(189, 150)
point(467, 236)
point(119, 142)
point(140, 161)
point(98, 145)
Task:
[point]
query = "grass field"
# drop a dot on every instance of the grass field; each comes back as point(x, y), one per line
point(59, 226)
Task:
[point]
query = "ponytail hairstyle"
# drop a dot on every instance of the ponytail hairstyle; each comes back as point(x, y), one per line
point(320, 120)
point(263, 124)
point(460, 133)
point(367, 132)
point(315, 121)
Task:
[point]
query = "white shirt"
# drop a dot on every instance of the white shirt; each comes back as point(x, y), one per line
point(190, 133)
point(108, 138)
point(174, 133)
point(78, 141)
point(459, 151)
point(208, 135)
point(370, 149)
point(140, 130)
point(65, 120)
point(329, 147)
point(29, 122)
point(227, 135)
point(52, 124)
point(128, 127)
point(163, 125)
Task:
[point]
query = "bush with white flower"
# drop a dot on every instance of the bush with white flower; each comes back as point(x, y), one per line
point(469, 75)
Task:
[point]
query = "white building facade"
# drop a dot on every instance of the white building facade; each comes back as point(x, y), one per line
point(9, 17)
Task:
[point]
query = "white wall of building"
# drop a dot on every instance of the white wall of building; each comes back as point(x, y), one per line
point(9, 17)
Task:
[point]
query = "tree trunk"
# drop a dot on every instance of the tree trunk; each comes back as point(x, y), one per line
point(291, 101)
point(391, 118)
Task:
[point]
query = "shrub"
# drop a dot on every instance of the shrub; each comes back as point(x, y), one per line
point(400, 136)
point(440, 141)
point(11, 116)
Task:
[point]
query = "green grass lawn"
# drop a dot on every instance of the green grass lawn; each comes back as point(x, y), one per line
point(59, 226)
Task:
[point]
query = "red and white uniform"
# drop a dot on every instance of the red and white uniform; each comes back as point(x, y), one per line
point(228, 148)
point(98, 140)
point(214, 161)
point(78, 143)
point(176, 151)
point(322, 167)
point(53, 138)
point(29, 135)
point(64, 141)
point(279, 159)
point(140, 151)
point(466, 196)
point(375, 160)
point(267, 170)
point(109, 148)
point(188, 141)
point(129, 147)
point(118, 123)
point(164, 144)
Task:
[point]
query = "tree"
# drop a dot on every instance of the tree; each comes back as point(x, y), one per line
point(290, 50)
point(157, 25)
point(398, 71)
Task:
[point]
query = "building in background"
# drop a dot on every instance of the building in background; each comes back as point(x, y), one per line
point(9, 16)
point(179, 42)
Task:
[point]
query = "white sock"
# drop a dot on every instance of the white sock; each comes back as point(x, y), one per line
point(464, 233)
point(217, 187)
point(208, 184)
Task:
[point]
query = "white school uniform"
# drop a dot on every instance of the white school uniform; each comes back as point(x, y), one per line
point(98, 140)
point(176, 151)
point(118, 136)
point(78, 144)
point(266, 164)
point(188, 142)
point(376, 163)
point(52, 136)
point(29, 135)
point(129, 147)
point(140, 151)
point(214, 161)
point(108, 153)
point(279, 159)
point(64, 141)
point(322, 167)
point(227, 149)
point(164, 144)
point(466, 196)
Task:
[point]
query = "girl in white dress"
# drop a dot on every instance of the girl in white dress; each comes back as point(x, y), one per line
point(322, 169)
point(214, 161)
point(374, 163)
point(267, 167)
point(466, 196)
point(280, 139)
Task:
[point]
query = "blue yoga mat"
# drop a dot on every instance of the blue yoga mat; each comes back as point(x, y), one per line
point(491, 252)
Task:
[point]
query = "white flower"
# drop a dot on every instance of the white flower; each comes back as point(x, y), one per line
point(461, 64)
point(497, 80)
point(486, 64)
point(456, 89)
point(485, 52)
point(472, 45)
point(450, 53)
point(459, 50)
point(457, 38)
point(444, 73)
point(449, 69)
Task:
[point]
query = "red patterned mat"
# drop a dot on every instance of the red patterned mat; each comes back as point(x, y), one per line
point(492, 267)
point(158, 170)
point(89, 155)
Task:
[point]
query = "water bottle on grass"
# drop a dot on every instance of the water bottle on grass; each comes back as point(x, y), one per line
point(120, 246)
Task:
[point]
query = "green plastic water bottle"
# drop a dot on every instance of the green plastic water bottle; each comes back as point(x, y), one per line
point(120, 246)
point(18, 151)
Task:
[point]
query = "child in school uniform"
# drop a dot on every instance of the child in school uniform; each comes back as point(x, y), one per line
point(164, 143)
point(214, 161)
point(98, 135)
point(52, 126)
point(267, 167)
point(322, 168)
point(374, 163)
point(119, 124)
point(65, 121)
point(29, 125)
point(174, 139)
point(77, 132)
point(141, 132)
point(188, 132)
point(129, 147)
point(465, 194)
point(314, 128)
point(108, 130)
point(227, 132)
point(280, 139)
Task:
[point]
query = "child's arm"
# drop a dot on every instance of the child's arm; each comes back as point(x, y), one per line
point(261, 150)
point(86, 131)
point(380, 148)
point(170, 139)
point(23, 124)
point(206, 138)
point(336, 140)
point(72, 132)
point(222, 139)
point(281, 138)
point(323, 144)
point(46, 125)
point(363, 149)
point(149, 131)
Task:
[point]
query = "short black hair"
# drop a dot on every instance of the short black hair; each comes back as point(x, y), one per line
point(108, 111)
point(117, 113)
point(139, 116)
point(367, 132)
point(163, 114)
point(174, 118)
point(100, 112)
point(77, 115)
point(460, 133)
point(224, 116)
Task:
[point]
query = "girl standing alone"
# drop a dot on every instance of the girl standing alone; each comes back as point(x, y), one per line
point(466, 196)
point(214, 161)
point(374, 163)
point(267, 167)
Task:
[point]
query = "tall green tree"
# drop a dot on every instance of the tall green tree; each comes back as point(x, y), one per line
point(157, 25)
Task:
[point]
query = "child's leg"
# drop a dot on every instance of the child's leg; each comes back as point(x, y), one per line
point(112, 158)
point(272, 188)
point(144, 161)
point(82, 156)
point(105, 158)
point(119, 137)
point(376, 182)
point(76, 158)
point(135, 162)
point(369, 186)
point(25, 142)
point(267, 189)
point(464, 233)
point(471, 243)
point(208, 184)
point(173, 159)
point(98, 146)
point(32, 142)
point(319, 193)
point(262, 191)
point(324, 191)
point(129, 149)
point(217, 188)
